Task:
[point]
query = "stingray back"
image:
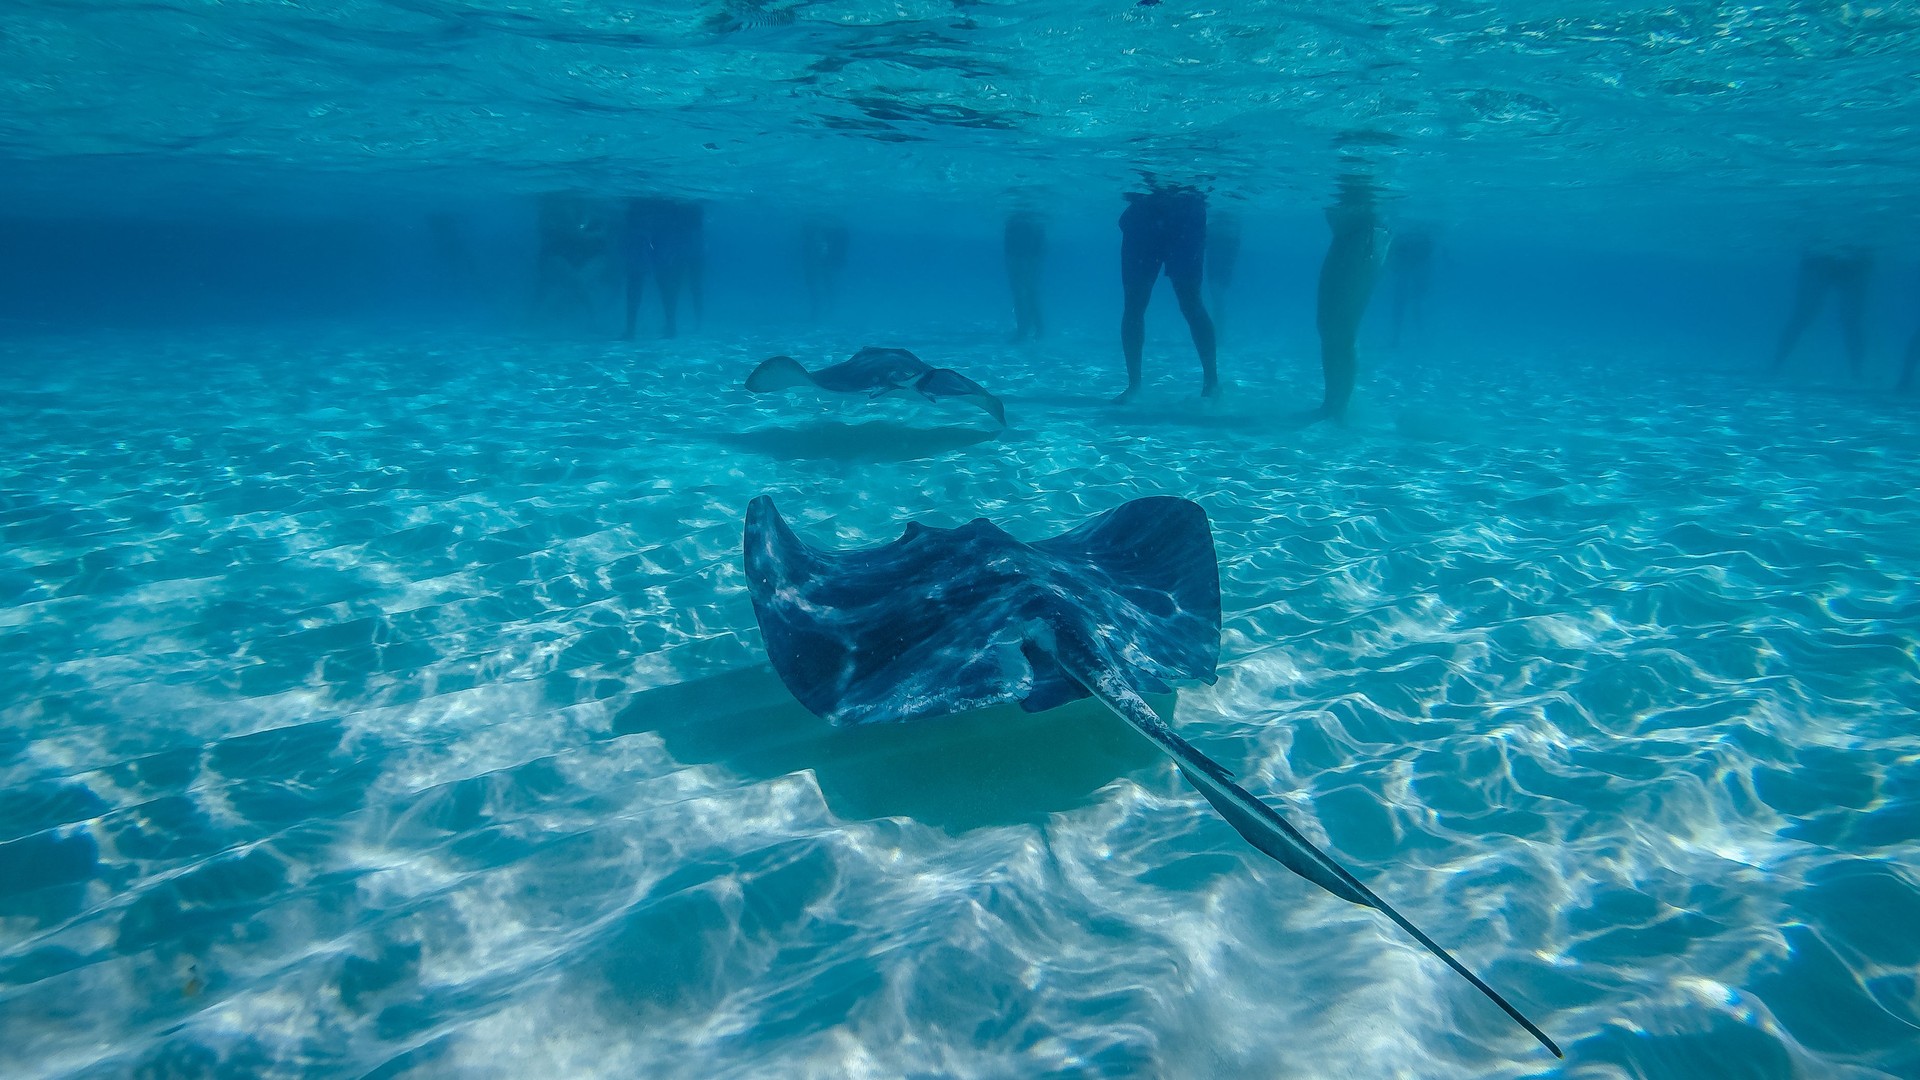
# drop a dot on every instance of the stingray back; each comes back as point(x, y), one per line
point(946, 620)
point(871, 370)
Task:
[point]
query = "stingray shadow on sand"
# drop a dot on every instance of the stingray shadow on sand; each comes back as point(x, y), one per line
point(990, 767)
point(874, 440)
point(1241, 411)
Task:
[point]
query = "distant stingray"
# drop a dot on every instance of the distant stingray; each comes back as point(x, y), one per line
point(946, 620)
point(876, 373)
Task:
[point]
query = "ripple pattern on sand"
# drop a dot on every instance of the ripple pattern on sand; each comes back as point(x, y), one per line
point(396, 708)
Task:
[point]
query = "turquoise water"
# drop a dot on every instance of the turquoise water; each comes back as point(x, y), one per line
point(379, 690)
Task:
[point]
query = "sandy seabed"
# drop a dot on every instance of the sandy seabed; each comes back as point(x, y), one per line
point(395, 708)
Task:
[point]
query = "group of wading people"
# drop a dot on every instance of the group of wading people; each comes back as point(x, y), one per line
point(584, 240)
point(1843, 273)
point(1163, 230)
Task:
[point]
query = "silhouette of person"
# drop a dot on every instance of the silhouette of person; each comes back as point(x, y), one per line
point(1164, 229)
point(1844, 272)
point(665, 235)
point(1346, 284)
point(1026, 250)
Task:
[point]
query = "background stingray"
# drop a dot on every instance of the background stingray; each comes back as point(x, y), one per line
point(876, 373)
point(948, 620)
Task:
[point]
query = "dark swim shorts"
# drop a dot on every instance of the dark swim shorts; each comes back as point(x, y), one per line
point(1164, 230)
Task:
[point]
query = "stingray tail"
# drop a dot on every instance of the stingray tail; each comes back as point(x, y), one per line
point(777, 373)
point(1264, 828)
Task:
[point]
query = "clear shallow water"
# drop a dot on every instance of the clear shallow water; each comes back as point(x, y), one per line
point(383, 699)
point(394, 706)
point(1707, 123)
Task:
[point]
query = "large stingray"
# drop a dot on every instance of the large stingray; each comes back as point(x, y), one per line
point(876, 373)
point(946, 620)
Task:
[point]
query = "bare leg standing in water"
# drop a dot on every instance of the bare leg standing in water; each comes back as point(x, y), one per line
point(1026, 248)
point(1164, 229)
point(1844, 272)
point(1346, 284)
point(1912, 365)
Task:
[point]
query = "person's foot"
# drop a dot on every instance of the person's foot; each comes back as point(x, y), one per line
point(1210, 388)
point(1126, 395)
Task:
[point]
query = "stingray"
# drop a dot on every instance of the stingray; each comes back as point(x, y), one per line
point(943, 621)
point(876, 373)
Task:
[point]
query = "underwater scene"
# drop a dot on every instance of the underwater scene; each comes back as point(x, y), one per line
point(959, 538)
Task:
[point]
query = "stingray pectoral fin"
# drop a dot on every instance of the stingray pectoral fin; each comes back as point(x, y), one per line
point(1265, 829)
point(984, 401)
point(992, 406)
point(777, 373)
point(942, 383)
